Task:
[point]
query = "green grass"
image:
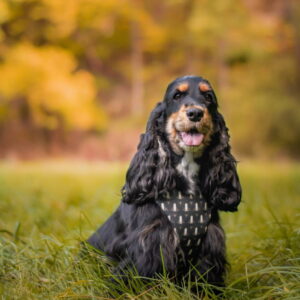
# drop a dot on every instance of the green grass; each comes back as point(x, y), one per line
point(46, 209)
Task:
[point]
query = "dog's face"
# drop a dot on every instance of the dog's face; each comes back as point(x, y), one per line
point(191, 103)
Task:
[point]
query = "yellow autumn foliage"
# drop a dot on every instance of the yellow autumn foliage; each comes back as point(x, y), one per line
point(52, 85)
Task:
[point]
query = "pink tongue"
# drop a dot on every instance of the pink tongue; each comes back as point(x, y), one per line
point(192, 139)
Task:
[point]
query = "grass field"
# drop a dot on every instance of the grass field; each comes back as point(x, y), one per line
point(46, 209)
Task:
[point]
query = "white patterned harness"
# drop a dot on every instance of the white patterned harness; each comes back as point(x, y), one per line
point(190, 216)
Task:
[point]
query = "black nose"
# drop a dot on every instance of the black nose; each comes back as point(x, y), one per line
point(194, 114)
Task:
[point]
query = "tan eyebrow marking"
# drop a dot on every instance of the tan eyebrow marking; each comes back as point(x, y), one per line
point(204, 87)
point(183, 87)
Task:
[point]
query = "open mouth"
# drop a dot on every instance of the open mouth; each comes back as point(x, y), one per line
point(191, 138)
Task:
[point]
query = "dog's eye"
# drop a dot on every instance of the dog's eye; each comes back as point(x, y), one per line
point(208, 96)
point(178, 95)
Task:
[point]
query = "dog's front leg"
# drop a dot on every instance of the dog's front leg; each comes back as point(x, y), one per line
point(152, 248)
point(212, 257)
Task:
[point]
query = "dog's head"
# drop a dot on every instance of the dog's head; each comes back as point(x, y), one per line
point(187, 120)
point(190, 103)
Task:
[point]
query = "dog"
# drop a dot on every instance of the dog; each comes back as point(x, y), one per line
point(181, 176)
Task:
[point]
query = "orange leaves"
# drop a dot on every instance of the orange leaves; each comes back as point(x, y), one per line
point(47, 77)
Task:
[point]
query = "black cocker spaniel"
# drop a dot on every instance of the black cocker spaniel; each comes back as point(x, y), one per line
point(180, 177)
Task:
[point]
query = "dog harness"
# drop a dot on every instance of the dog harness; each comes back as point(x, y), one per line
point(190, 217)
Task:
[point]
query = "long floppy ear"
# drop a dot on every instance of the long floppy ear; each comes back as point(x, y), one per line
point(150, 173)
point(218, 174)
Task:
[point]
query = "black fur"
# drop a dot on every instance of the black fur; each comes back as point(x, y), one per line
point(139, 234)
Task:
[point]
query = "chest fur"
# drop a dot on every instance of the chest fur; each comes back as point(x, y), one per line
point(188, 168)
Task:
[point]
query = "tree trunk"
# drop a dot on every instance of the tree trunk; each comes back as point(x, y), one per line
point(222, 68)
point(137, 85)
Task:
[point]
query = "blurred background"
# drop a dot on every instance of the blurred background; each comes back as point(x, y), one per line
point(78, 78)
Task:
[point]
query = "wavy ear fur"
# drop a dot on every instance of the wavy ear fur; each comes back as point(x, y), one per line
point(218, 170)
point(150, 173)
